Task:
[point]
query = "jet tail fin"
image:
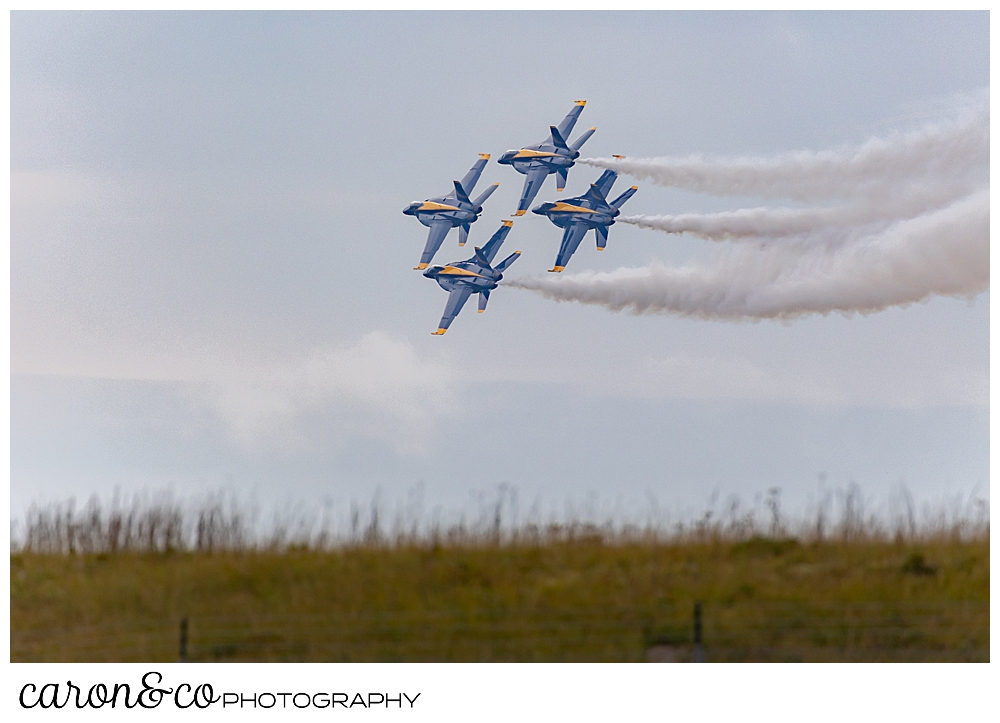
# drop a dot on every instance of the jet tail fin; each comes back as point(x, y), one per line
point(485, 195)
point(507, 261)
point(484, 297)
point(481, 258)
point(617, 203)
point(557, 140)
point(606, 181)
point(460, 193)
point(595, 195)
point(463, 234)
point(602, 237)
point(562, 175)
point(582, 139)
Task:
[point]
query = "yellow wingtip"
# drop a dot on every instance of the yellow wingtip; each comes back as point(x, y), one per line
point(480, 310)
point(615, 155)
point(461, 243)
point(635, 188)
point(507, 223)
point(556, 269)
point(485, 156)
point(580, 102)
point(593, 128)
point(420, 267)
point(439, 332)
point(519, 213)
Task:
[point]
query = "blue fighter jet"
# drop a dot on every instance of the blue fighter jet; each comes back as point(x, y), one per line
point(552, 155)
point(443, 213)
point(462, 279)
point(579, 215)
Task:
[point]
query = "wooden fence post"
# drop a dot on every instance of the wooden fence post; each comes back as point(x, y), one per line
point(184, 639)
point(698, 654)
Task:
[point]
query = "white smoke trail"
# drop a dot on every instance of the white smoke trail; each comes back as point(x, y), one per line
point(909, 219)
point(765, 222)
point(952, 154)
point(944, 252)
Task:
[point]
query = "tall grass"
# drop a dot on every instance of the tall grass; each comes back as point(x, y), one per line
point(165, 524)
point(842, 583)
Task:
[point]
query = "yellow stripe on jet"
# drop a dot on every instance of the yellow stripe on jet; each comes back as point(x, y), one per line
point(525, 153)
point(455, 271)
point(570, 208)
point(431, 206)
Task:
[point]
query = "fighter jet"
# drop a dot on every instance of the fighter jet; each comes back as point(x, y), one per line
point(579, 215)
point(444, 213)
point(462, 279)
point(552, 155)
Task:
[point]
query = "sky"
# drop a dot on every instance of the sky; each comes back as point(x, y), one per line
point(212, 286)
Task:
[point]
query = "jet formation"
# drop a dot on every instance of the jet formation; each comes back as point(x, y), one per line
point(576, 216)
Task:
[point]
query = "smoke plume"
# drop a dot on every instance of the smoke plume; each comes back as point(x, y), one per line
point(951, 154)
point(903, 218)
point(820, 223)
point(945, 252)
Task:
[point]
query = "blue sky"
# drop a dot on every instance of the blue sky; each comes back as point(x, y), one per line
point(212, 285)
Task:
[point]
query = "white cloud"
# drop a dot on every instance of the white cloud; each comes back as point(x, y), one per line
point(378, 388)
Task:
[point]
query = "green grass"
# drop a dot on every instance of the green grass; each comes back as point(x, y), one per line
point(580, 600)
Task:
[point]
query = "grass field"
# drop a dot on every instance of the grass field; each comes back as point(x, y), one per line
point(550, 599)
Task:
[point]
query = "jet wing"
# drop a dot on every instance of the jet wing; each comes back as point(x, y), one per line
point(532, 184)
point(435, 236)
point(472, 177)
point(456, 300)
point(571, 239)
point(566, 127)
point(496, 240)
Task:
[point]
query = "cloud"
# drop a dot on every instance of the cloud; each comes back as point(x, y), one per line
point(378, 388)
